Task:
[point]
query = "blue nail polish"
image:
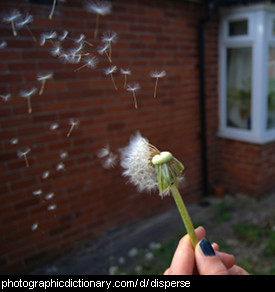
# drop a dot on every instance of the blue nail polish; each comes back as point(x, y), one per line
point(206, 248)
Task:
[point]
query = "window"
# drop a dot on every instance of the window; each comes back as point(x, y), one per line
point(247, 73)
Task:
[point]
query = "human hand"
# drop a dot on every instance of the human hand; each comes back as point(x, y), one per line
point(205, 260)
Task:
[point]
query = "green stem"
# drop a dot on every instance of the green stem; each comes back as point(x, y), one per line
point(184, 215)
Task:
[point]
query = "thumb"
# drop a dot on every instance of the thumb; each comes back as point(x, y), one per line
point(207, 262)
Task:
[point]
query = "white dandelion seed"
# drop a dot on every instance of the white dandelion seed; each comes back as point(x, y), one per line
point(157, 75)
point(133, 252)
point(110, 71)
point(136, 161)
point(99, 8)
point(23, 153)
point(56, 50)
point(110, 161)
point(126, 73)
point(47, 36)
point(25, 22)
point(103, 152)
point(53, 8)
point(63, 155)
point(34, 226)
point(63, 36)
point(43, 78)
point(37, 192)
point(109, 38)
point(74, 123)
point(103, 50)
point(90, 62)
point(52, 207)
point(45, 174)
point(6, 97)
point(133, 88)
point(14, 141)
point(60, 166)
point(82, 39)
point(27, 94)
point(54, 126)
point(11, 18)
point(49, 196)
point(3, 45)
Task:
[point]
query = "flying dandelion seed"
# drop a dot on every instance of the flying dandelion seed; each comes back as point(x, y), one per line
point(52, 207)
point(133, 88)
point(110, 71)
point(3, 45)
point(109, 38)
point(82, 39)
point(45, 174)
point(103, 152)
point(157, 75)
point(24, 153)
point(37, 192)
point(110, 161)
point(49, 196)
point(11, 18)
point(43, 78)
point(6, 97)
point(63, 155)
point(53, 8)
point(27, 95)
point(60, 166)
point(103, 50)
point(56, 50)
point(34, 226)
point(148, 169)
point(99, 8)
point(90, 62)
point(14, 141)
point(74, 123)
point(63, 36)
point(126, 73)
point(47, 36)
point(25, 22)
point(54, 126)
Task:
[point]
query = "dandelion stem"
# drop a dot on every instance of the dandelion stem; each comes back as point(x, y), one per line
point(53, 8)
point(110, 60)
point(32, 35)
point(113, 81)
point(26, 160)
point(29, 104)
point(13, 28)
point(135, 100)
point(42, 87)
point(156, 85)
point(125, 80)
point(79, 68)
point(184, 214)
point(96, 25)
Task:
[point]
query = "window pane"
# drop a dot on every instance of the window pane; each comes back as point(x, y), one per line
point(239, 71)
point(271, 90)
point(238, 27)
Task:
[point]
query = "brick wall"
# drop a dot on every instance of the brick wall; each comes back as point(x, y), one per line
point(89, 199)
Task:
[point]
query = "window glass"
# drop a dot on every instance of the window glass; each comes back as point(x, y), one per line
point(239, 72)
point(271, 89)
point(238, 27)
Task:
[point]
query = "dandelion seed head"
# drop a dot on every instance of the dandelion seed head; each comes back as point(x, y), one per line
point(109, 37)
point(158, 74)
point(14, 141)
point(110, 70)
point(28, 93)
point(99, 7)
point(133, 86)
point(28, 19)
point(3, 45)
point(125, 71)
point(45, 76)
point(91, 62)
point(23, 152)
point(136, 161)
point(12, 15)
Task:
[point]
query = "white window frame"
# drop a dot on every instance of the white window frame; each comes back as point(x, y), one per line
point(259, 37)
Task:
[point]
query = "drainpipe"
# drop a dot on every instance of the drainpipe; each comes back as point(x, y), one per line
point(202, 92)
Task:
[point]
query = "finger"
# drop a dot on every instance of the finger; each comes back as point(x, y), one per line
point(215, 246)
point(207, 261)
point(236, 270)
point(227, 259)
point(183, 260)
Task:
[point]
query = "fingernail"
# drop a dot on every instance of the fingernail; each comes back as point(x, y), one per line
point(206, 247)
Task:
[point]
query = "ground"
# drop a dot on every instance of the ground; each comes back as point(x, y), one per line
point(240, 225)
